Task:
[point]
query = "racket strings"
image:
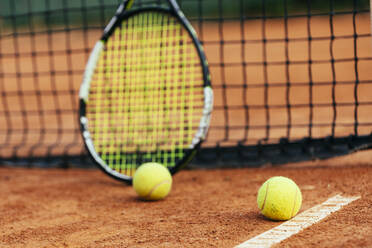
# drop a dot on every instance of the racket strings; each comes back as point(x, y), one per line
point(146, 97)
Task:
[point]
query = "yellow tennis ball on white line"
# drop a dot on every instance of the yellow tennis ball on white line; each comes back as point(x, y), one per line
point(152, 181)
point(279, 198)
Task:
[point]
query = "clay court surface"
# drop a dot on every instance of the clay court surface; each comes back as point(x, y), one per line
point(206, 208)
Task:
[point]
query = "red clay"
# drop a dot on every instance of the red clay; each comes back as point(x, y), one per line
point(206, 208)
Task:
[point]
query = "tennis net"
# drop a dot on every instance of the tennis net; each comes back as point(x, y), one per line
point(292, 79)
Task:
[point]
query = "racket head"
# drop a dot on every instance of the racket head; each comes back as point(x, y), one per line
point(146, 94)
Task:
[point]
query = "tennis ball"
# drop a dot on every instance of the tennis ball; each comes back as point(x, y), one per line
point(279, 198)
point(152, 181)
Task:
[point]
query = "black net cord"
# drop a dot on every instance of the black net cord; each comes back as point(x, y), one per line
point(310, 71)
point(356, 86)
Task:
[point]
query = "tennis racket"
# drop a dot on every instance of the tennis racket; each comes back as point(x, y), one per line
point(146, 94)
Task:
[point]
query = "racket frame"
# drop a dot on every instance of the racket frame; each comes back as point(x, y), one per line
point(121, 14)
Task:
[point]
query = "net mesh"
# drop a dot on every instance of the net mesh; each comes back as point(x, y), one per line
point(283, 72)
point(147, 93)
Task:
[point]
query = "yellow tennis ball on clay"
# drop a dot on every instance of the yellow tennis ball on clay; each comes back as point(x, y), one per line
point(152, 181)
point(279, 198)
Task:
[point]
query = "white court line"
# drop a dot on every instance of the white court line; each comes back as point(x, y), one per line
point(298, 223)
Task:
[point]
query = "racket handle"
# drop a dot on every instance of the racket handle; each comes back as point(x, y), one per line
point(125, 5)
point(176, 7)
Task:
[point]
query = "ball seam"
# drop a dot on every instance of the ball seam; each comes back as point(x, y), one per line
point(267, 189)
point(294, 202)
point(155, 187)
